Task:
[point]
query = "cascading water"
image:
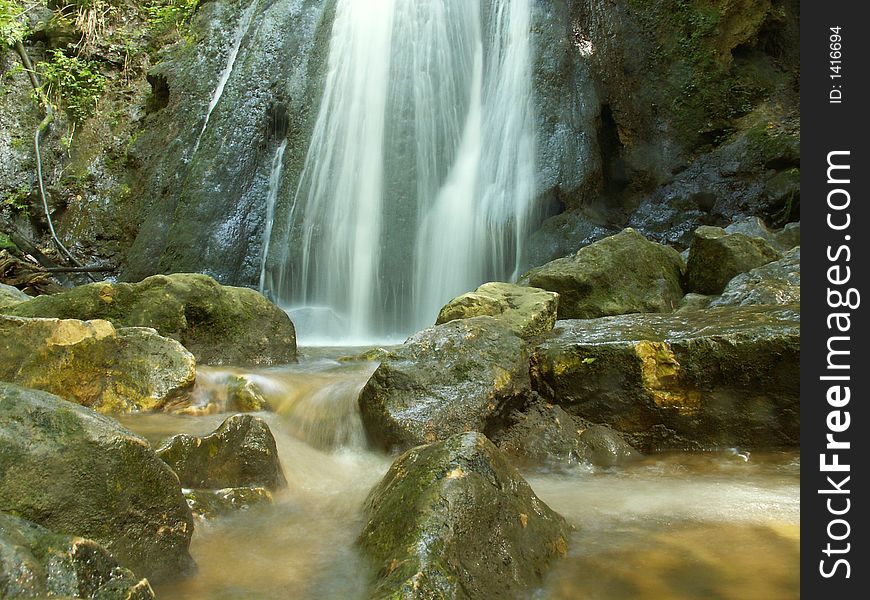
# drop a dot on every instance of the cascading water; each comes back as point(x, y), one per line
point(418, 183)
point(241, 29)
point(271, 197)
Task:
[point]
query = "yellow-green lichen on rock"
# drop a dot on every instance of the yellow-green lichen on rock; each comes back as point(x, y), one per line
point(218, 324)
point(94, 364)
point(524, 310)
point(695, 379)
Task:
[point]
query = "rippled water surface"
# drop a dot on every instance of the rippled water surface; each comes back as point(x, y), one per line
point(675, 526)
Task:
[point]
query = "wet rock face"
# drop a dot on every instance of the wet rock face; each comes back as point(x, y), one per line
point(624, 273)
point(37, 563)
point(717, 256)
point(525, 311)
point(241, 452)
point(465, 375)
point(76, 472)
point(544, 434)
point(455, 520)
point(702, 379)
point(218, 324)
point(93, 364)
point(778, 282)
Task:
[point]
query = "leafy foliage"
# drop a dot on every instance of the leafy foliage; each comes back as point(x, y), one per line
point(166, 15)
point(72, 83)
point(13, 26)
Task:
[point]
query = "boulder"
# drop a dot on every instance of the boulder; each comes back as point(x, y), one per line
point(544, 434)
point(623, 273)
point(210, 504)
point(79, 473)
point(241, 452)
point(704, 379)
point(37, 563)
point(717, 256)
point(524, 310)
point(218, 324)
point(465, 375)
point(93, 364)
point(783, 239)
point(694, 302)
point(10, 296)
point(562, 235)
point(455, 520)
point(778, 282)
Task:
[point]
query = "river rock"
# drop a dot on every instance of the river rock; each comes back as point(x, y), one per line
point(784, 239)
point(544, 434)
point(704, 379)
point(37, 563)
point(10, 296)
point(77, 472)
point(241, 452)
point(93, 364)
point(778, 282)
point(218, 324)
point(717, 256)
point(465, 375)
point(455, 520)
point(623, 273)
point(526, 311)
point(210, 504)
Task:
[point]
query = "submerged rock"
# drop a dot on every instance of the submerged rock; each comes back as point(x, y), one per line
point(465, 375)
point(93, 364)
point(778, 282)
point(703, 379)
point(76, 472)
point(624, 273)
point(244, 395)
point(218, 324)
point(241, 452)
point(544, 434)
point(716, 257)
point(526, 311)
point(455, 520)
point(37, 563)
point(210, 504)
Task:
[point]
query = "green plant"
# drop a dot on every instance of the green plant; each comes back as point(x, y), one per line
point(166, 15)
point(18, 200)
point(13, 27)
point(72, 83)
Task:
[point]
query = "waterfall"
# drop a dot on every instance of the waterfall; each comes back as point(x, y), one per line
point(241, 29)
point(418, 183)
point(271, 197)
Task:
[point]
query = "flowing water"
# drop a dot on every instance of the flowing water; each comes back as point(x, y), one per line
point(419, 177)
point(677, 526)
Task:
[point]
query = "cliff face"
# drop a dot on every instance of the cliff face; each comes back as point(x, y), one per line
point(658, 115)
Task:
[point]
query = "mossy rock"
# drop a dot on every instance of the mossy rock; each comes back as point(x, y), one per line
point(218, 324)
point(76, 472)
point(244, 395)
point(524, 310)
point(91, 363)
point(700, 379)
point(465, 375)
point(623, 273)
point(716, 257)
point(778, 282)
point(37, 563)
point(241, 452)
point(455, 520)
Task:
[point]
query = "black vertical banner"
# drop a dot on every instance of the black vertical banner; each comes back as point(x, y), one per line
point(835, 371)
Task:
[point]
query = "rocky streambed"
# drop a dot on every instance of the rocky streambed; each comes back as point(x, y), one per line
point(584, 432)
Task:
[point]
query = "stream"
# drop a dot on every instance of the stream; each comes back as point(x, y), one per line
point(714, 525)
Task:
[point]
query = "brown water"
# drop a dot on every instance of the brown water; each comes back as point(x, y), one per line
point(674, 527)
